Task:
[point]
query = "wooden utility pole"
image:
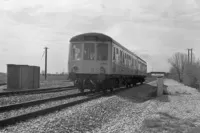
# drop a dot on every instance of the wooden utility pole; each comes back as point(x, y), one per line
point(191, 55)
point(45, 62)
point(188, 55)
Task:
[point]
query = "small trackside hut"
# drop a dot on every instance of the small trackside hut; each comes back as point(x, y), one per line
point(99, 63)
point(22, 77)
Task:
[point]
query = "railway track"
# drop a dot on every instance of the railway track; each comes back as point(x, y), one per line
point(36, 91)
point(36, 102)
point(18, 118)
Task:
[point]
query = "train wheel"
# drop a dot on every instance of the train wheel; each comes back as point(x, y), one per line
point(110, 84)
point(111, 89)
point(104, 91)
point(134, 83)
point(76, 83)
point(98, 87)
point(116, 83)
point(92, 86)
point(81, 86)
point(126, 84)
point(129, 86)
point(103, 87)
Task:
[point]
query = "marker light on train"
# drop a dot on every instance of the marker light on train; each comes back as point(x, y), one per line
point(102, 70)
point(75, 69)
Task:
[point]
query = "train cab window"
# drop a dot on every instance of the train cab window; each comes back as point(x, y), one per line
point(76, 51)
point(102, 51)
point(89, 53)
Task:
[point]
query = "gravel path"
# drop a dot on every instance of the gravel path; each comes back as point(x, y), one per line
point(175, 113)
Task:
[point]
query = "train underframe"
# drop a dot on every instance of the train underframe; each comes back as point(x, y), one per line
point(102, 82)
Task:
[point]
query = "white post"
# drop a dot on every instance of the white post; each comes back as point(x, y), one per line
point(159, 86)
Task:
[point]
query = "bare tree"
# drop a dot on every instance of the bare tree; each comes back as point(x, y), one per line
point(178, 62)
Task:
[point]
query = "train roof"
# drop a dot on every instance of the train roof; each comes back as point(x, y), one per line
point(100, 37)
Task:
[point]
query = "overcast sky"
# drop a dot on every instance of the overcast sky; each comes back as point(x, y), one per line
point(154, 29)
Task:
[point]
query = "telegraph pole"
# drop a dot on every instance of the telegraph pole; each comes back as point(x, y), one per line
point(45, 62)
point(191, 55)
point(188, 55)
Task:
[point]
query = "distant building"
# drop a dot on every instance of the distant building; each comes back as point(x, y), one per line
point(158, 74)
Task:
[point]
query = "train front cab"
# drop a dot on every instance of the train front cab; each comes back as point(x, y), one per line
point(89, 64)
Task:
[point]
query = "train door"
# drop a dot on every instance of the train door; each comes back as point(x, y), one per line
point(104, 56)
point(114, 67)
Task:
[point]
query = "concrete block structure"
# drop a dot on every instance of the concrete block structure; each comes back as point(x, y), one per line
point(23, 77)
point(160, 87)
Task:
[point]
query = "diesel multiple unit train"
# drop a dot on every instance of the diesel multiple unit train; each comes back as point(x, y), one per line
point(99, 63)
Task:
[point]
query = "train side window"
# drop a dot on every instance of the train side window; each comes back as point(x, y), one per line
point(123, 57)
point(128, 60)
point(114, 53)
point(120, 56)
point(117, 51)
point(138, 65)
point(89, 53)
point(135, 63)
point(76, 51)
point(102, 51)
point(131, 61)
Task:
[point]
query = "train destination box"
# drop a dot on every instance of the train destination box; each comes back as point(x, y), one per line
point(23, 77)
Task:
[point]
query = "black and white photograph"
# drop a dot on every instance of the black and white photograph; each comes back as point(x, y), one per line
point(99, 66)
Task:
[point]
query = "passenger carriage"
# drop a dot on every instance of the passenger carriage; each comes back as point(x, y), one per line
point(98, 62)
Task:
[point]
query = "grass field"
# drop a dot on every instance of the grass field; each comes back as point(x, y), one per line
point(54, 77)
point(3, 77)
